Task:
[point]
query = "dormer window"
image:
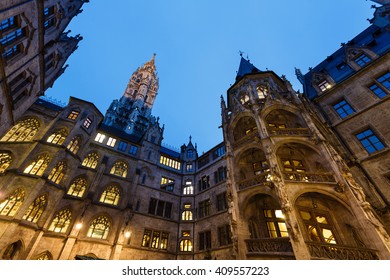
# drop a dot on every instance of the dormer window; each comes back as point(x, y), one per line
point(362, 60)
point(324, 85)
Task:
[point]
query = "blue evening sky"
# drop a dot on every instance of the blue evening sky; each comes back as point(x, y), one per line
point(197, 43)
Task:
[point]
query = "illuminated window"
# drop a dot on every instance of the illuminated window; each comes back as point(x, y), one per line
point(187, 214)
point(36, 209)
point(324, 85)
point(44, 257)
point(110, 195)
point(87, 123)
point(5, 162)
point(99, 228)
point(343, 109)
point(262, 91)
point(57, 137)
point(10, 205)
point(100, 137)
point(294, 165)
point(167, 184)
point(224, 235)
point(244, 98)
point(91, 160)
point(318, 225)
point(204, 240)
point(276, 224)
point(170, 162)
point(57, 173)
point(186, 245)
point(78, 187)
point(155, 239)
point(110, 142)
point(370, 141)
point(74, 145)
point(276, 125)
point(38, 166)
point(188, 189)
point(22, 131)
point(61, 221)
point(73, 115)
point(119, 169)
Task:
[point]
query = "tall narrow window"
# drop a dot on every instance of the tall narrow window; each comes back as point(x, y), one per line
point(122, 146)
point(343, 109)
point(36, 209)
point(49, 17)
point(38, 166)
point(110, 195)
point(187, 212)
point(188, 189)
point(57, 137)
point(221, 201)
point(119, 169)
point(224, 235)
point(100, 137)
point(87, 123)
point(99, 228)
point(111, 142)
point(78, 187)
point(91, 160)
point(204, 208)
point(22, 131)
point(57, 173)
point(370, 141)
point(204, 240)
point(61, 221)
point(5, 161)
point(186, 245)
point(74, 145)
point(10, 205)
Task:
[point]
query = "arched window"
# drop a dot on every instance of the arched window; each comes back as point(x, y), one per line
point(99, 228)
point(186, 245)
point(58, 137)
point(120, 169)
point(58, 172)
point(45, 256)
point(186, 215)
point(5, 161)
point(36, 209)
point(38, 166)
point(78, 187)
point(110, 195)
point(10, 205)
point(12, 251)
point(74, 145)
point(91, 160)
point(22, 131)
point(61, 221)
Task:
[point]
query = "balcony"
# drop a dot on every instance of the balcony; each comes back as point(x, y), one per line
point(339, 252)
point(280, 247)
point(289, 132)
point(308, 177)
point(245, 139)
point(254, 181)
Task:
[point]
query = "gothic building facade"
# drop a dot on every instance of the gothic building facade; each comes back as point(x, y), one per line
point(298, 175)
point(34, 49)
